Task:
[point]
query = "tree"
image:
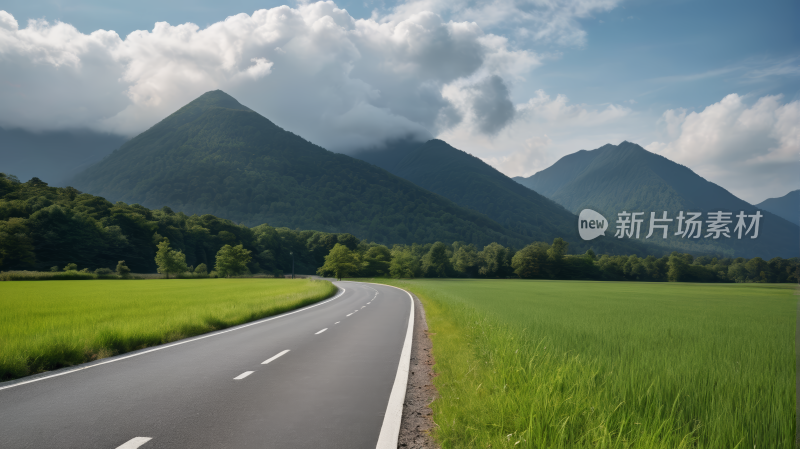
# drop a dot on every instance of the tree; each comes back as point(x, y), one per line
point(16, 245)
point(495, 260)
point(232, 260)
point(436, 263)
point(737, 272)
point(465, 259)
point(122, 270)
point(170, 260)
point(201, 269)
point(677, 267)
point(340, 262)
point(377, 260)
point(530, 262)
point(404, 263)
point(556, 254)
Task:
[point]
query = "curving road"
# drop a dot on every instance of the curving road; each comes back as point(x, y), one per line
point(319, 377)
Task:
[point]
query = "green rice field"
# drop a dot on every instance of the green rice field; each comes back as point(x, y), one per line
point(566, 364)
point(51, 324)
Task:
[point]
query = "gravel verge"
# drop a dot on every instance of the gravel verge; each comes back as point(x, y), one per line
point(417, 422)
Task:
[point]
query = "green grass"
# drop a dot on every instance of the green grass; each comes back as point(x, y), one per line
point(553, 364)
point(51, 324)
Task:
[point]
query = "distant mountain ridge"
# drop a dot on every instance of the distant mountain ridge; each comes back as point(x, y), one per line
point(53, 156)
point(787, 206)
point(469, 182)
point(216, 156)
point(626, 177)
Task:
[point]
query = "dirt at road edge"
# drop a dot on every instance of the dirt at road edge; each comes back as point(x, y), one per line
point(417, 422)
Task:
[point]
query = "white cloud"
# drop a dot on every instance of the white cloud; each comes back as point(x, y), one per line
point(751, 150)
point(544, 129)
point(315, 70)
point(543, 21)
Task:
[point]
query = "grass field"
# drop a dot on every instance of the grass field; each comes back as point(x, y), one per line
point(552, 364)
point(51, 324)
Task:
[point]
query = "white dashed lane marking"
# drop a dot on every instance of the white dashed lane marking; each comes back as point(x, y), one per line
point(323, 330)
point(243, 375)
point(274, 357)
point(134, 443)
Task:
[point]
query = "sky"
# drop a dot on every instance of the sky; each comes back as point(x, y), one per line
point(711, 85)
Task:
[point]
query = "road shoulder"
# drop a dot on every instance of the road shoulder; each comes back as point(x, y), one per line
point(417, 422)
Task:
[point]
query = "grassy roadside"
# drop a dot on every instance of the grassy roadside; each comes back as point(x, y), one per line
point(48, 325)
point(550, 364)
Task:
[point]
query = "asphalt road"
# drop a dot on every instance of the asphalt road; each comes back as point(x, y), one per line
point(330, 390)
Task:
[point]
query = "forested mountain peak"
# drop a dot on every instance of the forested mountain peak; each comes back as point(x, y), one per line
point(216, 156)
point(627, 177)
point(787, 206)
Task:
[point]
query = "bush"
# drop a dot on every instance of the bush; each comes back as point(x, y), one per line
point(104, 273)
point(54, 269)
point(122, 270)
point(44, 276)
point(71, 267)
point(201, 269)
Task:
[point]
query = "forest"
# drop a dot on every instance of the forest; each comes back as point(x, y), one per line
point(43, 227)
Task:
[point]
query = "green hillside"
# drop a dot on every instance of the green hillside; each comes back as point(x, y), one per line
point(469, 182)
point(787, 206)
point(626, 177)
point(215, 156)
point(43, 226)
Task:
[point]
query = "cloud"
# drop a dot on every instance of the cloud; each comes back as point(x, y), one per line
point(730, 138)
point(491, 104)
point(542, 130)
point(315, 70)
point(539, 21)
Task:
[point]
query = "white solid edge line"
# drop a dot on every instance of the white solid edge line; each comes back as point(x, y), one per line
point(158, 348)
point(243, 375)
point(275, 357)
point(323, 330)
point(390, 430)
point(133, 443)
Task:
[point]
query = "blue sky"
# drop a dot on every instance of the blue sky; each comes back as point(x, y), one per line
point(627, 70)
point(661, 54)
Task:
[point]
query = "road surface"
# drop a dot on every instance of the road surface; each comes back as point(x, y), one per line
point(320, 377)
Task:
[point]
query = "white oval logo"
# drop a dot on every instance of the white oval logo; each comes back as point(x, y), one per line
point(591, 224)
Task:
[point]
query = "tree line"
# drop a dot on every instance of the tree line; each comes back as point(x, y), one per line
point(541, 260)
point(45, 228)
point(42, 227)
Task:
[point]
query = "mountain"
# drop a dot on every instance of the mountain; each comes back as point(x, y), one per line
point(216, 156)
point(787, 206)
point(626, 177)
point(469, 182)
point(53, 156)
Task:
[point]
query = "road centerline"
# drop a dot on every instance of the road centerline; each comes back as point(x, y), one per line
point(134, 443)
point(274, 357)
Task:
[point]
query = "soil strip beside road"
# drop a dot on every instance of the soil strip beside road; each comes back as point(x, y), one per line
point(417, 422)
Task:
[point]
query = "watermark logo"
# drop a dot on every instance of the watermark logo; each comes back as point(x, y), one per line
point(591, 224)
point(689, 226)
